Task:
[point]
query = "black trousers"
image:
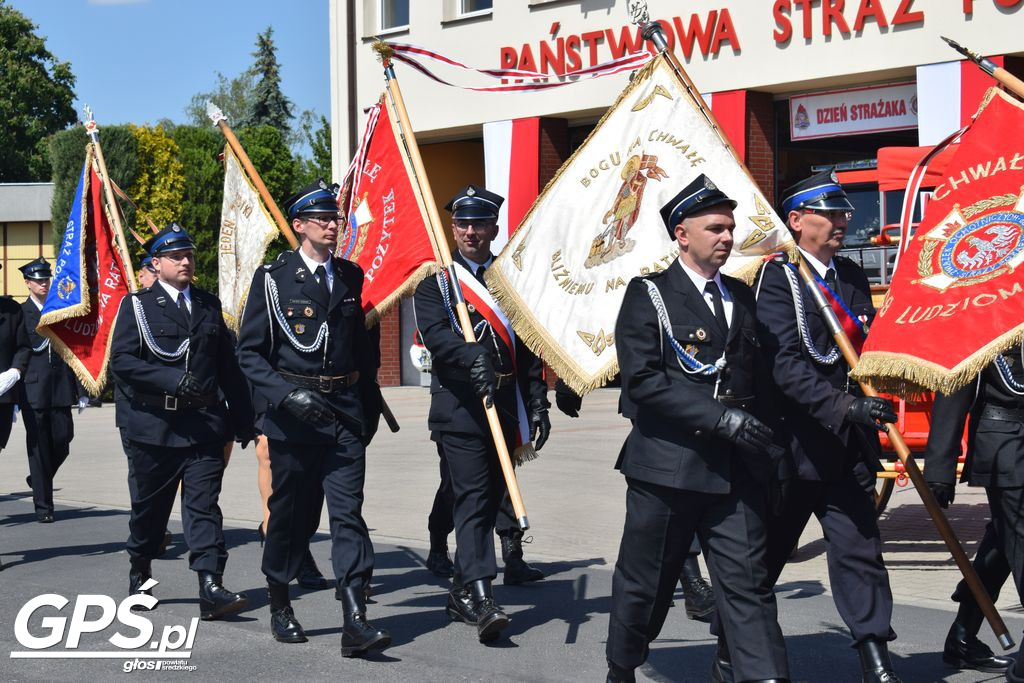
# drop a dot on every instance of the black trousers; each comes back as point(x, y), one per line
point(858, 578)
point(441, 521)
point(48, 435)
point(158, 471)
point(303, 477)
point(6, 422)
point(1001, 551)
point(656, 538)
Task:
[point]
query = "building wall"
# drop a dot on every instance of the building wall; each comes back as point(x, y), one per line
point(22, 242)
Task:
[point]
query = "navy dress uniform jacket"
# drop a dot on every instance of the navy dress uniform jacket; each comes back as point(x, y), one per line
point(210, 358)
point(671, 443)
point(48, 382)
point(264, 351)
point(454, 406)
point(815, 397)
point(14, 344)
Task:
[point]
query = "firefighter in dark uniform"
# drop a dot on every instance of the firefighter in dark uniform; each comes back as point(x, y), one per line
point(304, 346)
point(14, 355)
point(697, 460)
point(461, 375)
point(48, 391)
point(831, 428)
point(174, 357)
point(995, 460)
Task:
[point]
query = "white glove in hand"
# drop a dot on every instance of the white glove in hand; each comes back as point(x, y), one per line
point(83, 403)
point(8, 378)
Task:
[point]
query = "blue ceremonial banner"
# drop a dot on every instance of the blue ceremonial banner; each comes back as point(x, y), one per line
point(88, 285)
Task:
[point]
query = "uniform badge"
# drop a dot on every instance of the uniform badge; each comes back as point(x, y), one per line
point(308, 311)
point(701, 333)
point(691, 349)
point(290, 312)
point(161, 301)
point(299, 328)
point(471, 307)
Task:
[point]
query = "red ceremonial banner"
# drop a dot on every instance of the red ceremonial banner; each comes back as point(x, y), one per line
point(386, 233)
point(956, 300)
point(88, 286)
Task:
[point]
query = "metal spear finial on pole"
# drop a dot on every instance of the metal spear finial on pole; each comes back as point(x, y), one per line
point(1011, 82)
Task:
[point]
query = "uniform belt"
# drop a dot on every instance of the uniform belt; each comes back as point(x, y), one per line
point(168, 402)
point(325, 384)
point(501, 379)
point(991, 412)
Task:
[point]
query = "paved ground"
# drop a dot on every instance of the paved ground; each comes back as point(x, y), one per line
point(575, 503)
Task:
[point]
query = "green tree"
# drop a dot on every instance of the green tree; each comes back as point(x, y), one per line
point(319, 141)
point(160, 185)
point(269, 106)
point(198, 148)
point(67, 154)
point(37, 98)
point(269, 153)
point(234, 97)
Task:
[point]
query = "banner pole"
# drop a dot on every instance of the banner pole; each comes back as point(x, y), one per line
point(1004, 77)
point(115, 213)
point(441, 247)
point(913, 471)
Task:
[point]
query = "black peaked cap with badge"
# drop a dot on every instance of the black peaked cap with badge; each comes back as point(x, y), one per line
point(821, 191)
point(39, 269)
point(316, 198)
point(171, 238)
point(699, 195)
point(474, 202)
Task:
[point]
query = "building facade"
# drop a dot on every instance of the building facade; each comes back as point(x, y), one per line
point(25, 232)
point(797, 85)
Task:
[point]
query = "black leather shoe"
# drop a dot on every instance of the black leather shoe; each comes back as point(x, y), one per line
point(44, 517)
point(359, 636)
point(260, 534)
point(216, 601)
point(137, 577)
point(309, 574)
point(874, 663)
point(618, 674)
point(516, 569)
point(490, 618)
point(283, 625)
point(699, 598)
point(460, 606)
point(963, 650)
point(440, 563)
point(721, 669)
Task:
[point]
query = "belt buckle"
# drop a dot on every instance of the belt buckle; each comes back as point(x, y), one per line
point(170, 402)
point(325, 384)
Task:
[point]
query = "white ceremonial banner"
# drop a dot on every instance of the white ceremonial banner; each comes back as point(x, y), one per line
point(853, 112)
point(561, 277)
point(246, 230)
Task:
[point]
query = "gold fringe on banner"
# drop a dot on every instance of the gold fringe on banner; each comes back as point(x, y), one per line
point(407, 289)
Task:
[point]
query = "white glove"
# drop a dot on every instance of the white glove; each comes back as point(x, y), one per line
point(8, 378)
point(83, 403)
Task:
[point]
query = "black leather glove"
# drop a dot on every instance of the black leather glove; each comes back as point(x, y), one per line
point(744, 430)
point(872, 411)
point(481, 376)
point(944, 493)
point(567, 400)
point(308, 406)
point(540, 423)
point(246, 436)
point(189, 387)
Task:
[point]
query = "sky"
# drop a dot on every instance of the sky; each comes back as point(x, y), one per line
point(139, 61)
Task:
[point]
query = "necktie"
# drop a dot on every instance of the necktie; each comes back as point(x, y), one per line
point(711, 288)
point(480, 273)
point(183, 307)
point(321, 277)
point(830, 278)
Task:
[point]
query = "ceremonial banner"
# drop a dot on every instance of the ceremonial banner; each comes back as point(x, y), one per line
point(956, 300)
point(87, 287)
point(246, 230)
point(386, 233)
point(562, 275)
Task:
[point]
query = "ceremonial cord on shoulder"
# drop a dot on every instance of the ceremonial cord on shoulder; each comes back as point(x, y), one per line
point(687, 361)
point(1006, 374)
point(147, 336)
point(37, 349)
point(274, 306)
point(442, 282)
point(833, 354)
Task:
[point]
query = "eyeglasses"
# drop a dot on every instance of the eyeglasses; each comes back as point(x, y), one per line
point(179, 256)
point(325, 221)
point(464, 224)
point(832, 214)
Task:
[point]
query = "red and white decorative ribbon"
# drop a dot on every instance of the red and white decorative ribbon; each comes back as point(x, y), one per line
point(408, 53)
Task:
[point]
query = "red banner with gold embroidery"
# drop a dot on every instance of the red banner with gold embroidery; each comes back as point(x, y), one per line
point(386, 232)
point(956, 300)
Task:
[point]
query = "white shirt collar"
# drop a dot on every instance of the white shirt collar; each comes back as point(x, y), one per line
point(818, 266)
point(312, 264)
point(699, 281)
point(474, 266)
point(33, 300)
point(174, 292)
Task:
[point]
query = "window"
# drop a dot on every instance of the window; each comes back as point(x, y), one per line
point(470, 6)
point(394, 14)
